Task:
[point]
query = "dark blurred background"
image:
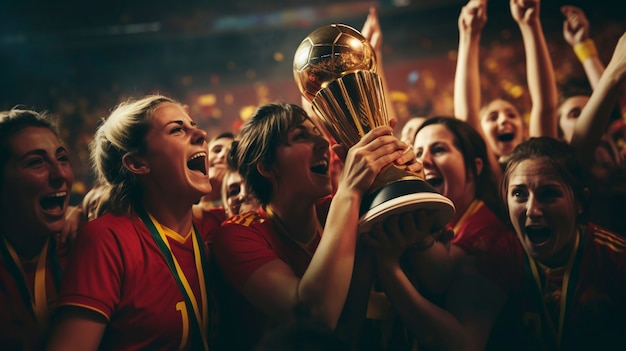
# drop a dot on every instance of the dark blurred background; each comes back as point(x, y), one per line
point(78, 59)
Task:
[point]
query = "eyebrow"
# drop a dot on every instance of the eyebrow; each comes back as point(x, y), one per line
point(42, 152)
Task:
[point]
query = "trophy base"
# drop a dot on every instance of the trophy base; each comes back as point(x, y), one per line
point(404, 196)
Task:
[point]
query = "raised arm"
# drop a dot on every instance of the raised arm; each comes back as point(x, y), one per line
point(322, 290)
point(576, 34)
point(467, 97)
point(539, 69)
point(374, 34)
point(596, 114)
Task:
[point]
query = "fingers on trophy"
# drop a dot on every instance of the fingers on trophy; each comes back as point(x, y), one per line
point(335, 69)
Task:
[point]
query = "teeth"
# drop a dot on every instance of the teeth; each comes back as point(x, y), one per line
point(57, 194)
point(199, 154)
point(321, 163)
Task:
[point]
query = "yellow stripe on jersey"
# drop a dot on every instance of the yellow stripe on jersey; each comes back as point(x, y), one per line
point(246, 219)
point(610, 240)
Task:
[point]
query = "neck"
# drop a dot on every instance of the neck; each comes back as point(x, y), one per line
point(561, 259)
point(299, 218)
point(176, 216)
point(26, 246)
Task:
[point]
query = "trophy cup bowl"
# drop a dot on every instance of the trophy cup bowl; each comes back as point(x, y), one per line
point(335, 69)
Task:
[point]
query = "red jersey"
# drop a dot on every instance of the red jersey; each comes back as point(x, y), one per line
point(247, 242)
point(19, 328)
point(118, 270)
point(586, 305)
point(482, 235)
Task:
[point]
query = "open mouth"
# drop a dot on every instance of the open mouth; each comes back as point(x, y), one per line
point(320, 168)
point(506, 137)
point(538, 235)
point(197, 162)
point(435, 182)
point(54, 202)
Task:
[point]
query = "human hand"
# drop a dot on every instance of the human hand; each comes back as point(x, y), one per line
point(75, 218)
point(391, 237)
point(473, 17)
point(575, 25)
point(377, 149)
point(525, 11)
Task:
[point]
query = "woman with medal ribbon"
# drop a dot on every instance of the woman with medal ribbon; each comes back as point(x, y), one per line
point(570, 277)
point(36, 180)
point(138, 273)
point(294, 257)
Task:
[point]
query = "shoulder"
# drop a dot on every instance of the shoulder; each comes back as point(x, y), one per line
point(606, 240)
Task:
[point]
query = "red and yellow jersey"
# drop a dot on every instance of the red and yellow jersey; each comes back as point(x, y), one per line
point(117, 270)
point(19, 327)
point(582, 308)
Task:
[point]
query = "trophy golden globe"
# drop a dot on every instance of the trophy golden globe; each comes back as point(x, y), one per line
point(335, 69)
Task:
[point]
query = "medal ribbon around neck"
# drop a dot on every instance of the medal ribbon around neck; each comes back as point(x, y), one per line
point(37, 301)
point(284, 232)
point(199, 321)
point(567, 289)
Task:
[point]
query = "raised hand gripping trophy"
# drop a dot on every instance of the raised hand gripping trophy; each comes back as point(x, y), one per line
point(335, 69)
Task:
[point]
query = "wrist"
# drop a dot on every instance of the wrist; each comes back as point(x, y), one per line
point(423, 245)
point(586, 49)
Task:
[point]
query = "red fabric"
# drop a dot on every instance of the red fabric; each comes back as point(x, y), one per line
point(18, 327)
point(596, 311)
point(485, 237)
point(117, 269)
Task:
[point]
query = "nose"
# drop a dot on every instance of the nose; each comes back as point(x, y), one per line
point(502, 118)
point(198, 136)
point(322, 142)
point(60, 172)
point(426, 159)
point(533, 208)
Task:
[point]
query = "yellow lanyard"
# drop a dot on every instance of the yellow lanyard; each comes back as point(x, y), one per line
point(558, 333)
point(38, 299)
point(202, 318)
point(471, 209)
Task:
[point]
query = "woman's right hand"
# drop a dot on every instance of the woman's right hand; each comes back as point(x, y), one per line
point(473, 17)
point(375, 151)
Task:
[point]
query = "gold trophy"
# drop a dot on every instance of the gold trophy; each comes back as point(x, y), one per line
point(335, 69)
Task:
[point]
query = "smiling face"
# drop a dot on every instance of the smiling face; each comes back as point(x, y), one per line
point(301, 166)
point(236, 198)
point(569, 112)
point(543, 210)
point(503, 127)
point(218, 150)
point(444, 166)
point(37, 181)
point(176, 154)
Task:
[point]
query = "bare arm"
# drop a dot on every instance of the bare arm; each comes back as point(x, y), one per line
point(472, 302)
point(374, 34)
point(467, 97)
point(576, 34)
point(539, 69)
point(77, 329)
point(596, 114)
point(323, 288)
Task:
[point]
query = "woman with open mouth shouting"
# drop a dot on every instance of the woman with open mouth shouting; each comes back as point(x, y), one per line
point(36, 180)
point(137, 274)
point(449, 292)
point(295, 256)
point(570, 277)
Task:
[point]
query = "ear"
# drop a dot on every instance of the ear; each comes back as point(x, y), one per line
point(264, 170)
point(479, 165)
point(135, 164)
